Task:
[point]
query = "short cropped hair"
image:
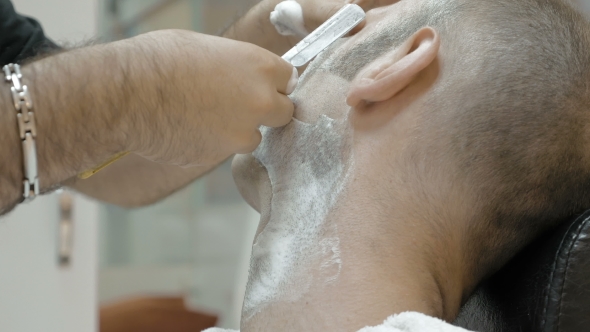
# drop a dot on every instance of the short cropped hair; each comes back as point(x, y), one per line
point(521, 126)
point(513, 114)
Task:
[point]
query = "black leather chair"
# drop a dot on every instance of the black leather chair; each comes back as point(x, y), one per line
point(546, 288)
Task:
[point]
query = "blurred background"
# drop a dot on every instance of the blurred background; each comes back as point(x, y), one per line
point(193, 246)
point(68, 263)
point(197, 242)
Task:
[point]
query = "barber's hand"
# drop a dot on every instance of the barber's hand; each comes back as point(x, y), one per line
point(211, 94)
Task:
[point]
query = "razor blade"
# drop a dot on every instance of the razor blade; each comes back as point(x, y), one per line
point(337, 26)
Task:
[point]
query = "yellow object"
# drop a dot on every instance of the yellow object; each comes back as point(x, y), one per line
point(85, 175)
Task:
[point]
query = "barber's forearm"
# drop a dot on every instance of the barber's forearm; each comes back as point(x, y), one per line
point(255, 28)
point(135, 181)
point(162, 95)
point(82, 111)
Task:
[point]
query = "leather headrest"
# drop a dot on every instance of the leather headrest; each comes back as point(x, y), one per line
point(544, 288)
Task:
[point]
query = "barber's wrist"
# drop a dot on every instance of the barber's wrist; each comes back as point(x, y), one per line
point(11, 168)
point(80, 109)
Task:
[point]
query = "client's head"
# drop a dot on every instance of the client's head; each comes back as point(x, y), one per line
point(467, 136)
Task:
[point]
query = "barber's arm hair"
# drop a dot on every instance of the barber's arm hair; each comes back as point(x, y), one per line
point(88, 107)
point(135, 181)
point(80, 101)
point(82, 104)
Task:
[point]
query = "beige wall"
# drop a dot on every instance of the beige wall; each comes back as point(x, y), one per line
point(36, 294)
point(63, 20)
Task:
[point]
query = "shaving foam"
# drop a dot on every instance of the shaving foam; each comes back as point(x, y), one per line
point(331, 265)
point(306, 166)
point(287, 18)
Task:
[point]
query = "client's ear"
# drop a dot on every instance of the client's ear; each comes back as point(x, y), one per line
point(391, 73)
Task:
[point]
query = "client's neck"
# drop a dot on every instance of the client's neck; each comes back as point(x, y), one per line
point(398, 263)
point(388, 265)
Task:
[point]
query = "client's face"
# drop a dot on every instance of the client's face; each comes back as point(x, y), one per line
point(304, 175)
point(295, 179)
point(406, 186)
point(322, 119)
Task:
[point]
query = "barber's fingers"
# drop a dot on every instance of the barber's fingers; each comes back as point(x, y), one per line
point(253, 141)
point(293, 81)
point(280, 113)
point(286, 77)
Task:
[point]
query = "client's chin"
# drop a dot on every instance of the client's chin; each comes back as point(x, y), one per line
point(254, 185)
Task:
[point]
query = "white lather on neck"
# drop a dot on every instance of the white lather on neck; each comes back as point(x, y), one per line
point(306, 166)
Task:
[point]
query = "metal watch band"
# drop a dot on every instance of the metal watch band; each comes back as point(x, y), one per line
point(27, 129)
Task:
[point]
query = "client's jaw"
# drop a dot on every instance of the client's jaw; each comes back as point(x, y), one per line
point(346, 238)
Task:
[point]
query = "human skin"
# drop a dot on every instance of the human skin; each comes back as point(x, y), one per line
point(384, 271)
point(135, 180)
point(162, 95)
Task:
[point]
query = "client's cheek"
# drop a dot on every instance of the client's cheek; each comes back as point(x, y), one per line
point(323, 94)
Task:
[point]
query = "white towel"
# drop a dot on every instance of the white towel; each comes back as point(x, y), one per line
point(413, 322)
point(404, 322)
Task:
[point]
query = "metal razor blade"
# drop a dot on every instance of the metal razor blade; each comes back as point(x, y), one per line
point(337, 26)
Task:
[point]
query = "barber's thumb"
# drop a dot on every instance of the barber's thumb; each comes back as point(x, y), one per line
point(286, 76)
point(293, 82)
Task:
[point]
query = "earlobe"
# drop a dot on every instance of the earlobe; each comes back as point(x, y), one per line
point(393, 72)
